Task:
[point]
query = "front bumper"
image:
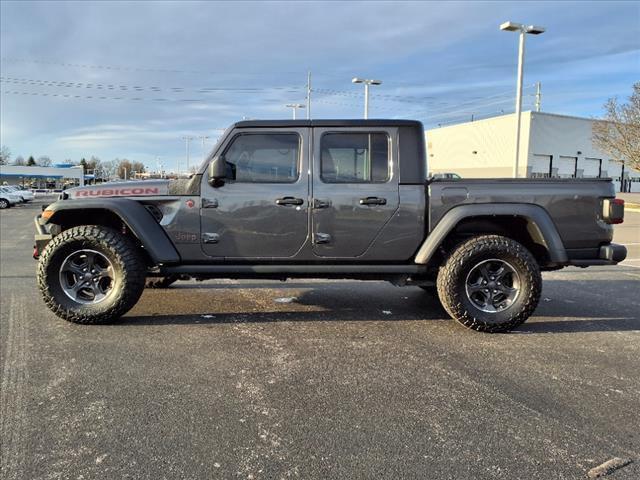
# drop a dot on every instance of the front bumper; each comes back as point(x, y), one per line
point(609, 254)
point(42, 237)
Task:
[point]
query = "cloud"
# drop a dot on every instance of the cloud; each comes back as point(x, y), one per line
point(441, 58)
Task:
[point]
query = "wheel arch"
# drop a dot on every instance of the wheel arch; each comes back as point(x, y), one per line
point(529, 224)
point(114, 213)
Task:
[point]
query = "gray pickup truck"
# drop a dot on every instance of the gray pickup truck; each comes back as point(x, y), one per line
point(330, 199)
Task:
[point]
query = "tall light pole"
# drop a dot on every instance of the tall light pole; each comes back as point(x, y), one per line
point(203, 138)
point(294, 107)
point(309, 95)
point(187, 139)
point(367, 82)
point(523, 30)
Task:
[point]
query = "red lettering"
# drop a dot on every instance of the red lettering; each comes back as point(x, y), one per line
point(94, 193)
point(151, 191)
point(106, 192)
point(81, 193)
point(137, 191)
point(124, 191)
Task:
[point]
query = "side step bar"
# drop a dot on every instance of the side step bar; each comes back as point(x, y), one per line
point(293, 270)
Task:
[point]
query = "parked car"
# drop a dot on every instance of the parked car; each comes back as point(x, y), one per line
point(8, 198)
point(446, 176)
point(325, 199)
point(24, 194)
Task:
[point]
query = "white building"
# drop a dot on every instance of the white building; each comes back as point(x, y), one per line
point(551, 145)
point(12, 174)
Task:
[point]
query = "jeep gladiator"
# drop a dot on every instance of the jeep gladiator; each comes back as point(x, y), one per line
point(330, 199)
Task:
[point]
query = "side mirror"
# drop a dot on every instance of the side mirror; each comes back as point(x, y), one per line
point(217, 171)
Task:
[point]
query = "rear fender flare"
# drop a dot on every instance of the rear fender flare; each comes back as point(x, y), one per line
point(134, 215)
point(537, 216)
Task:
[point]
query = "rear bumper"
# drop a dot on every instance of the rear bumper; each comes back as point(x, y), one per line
point(609, 254)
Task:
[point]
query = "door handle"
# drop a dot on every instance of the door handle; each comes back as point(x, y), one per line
point(373, 201)
point(320, 238)
point(209, 203)
point(289, 201)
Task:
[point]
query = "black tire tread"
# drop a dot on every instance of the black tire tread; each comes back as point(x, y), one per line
point(450, 297)
point(127, 254)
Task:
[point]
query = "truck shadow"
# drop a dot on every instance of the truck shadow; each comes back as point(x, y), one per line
point(257, 302)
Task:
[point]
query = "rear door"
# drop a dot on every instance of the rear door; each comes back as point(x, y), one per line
point(354, 188)
point(261, 211)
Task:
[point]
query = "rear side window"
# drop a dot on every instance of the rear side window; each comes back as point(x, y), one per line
point(354, 157)
point(263, 158)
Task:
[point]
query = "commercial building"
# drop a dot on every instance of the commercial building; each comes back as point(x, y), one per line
point(42, 177)
point(551, 146)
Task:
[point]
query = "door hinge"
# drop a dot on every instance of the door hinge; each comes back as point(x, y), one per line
point(321, 238)
point(210, 238)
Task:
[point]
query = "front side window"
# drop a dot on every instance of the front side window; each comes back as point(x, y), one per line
point(263, 158)
point(354, 157)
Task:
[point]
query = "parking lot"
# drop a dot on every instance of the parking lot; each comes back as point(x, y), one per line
point(320, 379)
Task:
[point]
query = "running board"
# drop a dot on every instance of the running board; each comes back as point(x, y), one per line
point(294, 270)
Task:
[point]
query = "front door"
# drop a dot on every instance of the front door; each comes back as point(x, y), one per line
point(261, 211)
point(355, 188)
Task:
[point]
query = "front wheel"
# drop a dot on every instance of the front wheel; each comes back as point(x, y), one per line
point(91, 274)
point(4, 204)
point(490, 283)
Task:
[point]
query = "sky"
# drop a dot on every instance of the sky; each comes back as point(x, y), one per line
point(131, 79)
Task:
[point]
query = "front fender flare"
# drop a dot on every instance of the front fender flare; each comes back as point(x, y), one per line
point(533, 213)
point(152, 236)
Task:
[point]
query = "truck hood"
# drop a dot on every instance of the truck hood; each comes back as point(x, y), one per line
point(144, 188)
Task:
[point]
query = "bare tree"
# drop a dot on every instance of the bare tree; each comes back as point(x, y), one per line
point(138, 167)
point(619, 133)
point(19, 161)
point(5, 155)
point(124, 168)
point(44, 161)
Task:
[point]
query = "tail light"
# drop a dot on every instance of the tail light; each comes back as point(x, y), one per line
point(613, 210)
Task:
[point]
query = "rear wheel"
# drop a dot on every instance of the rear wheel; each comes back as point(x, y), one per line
point(91, 274)
point(490, 284)
point(4, 204)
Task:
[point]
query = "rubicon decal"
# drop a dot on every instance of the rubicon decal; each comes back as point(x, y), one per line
point(118, 192)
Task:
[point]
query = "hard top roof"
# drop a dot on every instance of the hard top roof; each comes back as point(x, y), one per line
point(328, 123)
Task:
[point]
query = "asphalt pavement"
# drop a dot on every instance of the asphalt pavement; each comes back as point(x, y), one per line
point(318, 379)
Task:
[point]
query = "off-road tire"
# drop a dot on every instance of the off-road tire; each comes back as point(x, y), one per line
point(129, 272)
point(4, 204)
point(452, 279)
point(161, 282)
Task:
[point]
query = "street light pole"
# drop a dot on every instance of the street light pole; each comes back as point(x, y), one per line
point(187, 139)
point(309, 95)
point(203, 138)
point(367, 83)
point(294, 107)
point(523, 30)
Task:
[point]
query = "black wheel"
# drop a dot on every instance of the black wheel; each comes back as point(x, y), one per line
point(4, 204)
point(490, 284)
point(161, 282)
point(91, 274)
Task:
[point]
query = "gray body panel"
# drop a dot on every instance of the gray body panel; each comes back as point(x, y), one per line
point(152, 236)
point(573, 205)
